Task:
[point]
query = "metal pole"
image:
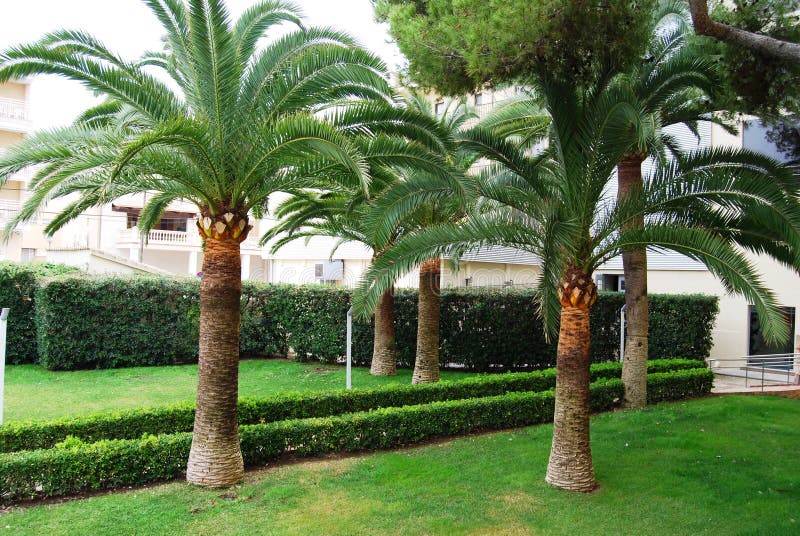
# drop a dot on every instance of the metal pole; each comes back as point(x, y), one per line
point(3, 324)
point(622, 333)
point(349, 348)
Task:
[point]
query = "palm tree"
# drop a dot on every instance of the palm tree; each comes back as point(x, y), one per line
point(342, 212)
point(240, 119)
point(552, 204)
point(672, 86)
point(409, 204)
point(339, 214)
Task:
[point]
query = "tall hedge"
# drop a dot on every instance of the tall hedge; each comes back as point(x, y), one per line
point(483, 330)
point(103, 322)
point(18, 284)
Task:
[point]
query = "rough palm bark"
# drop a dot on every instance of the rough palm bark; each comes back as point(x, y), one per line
point(634, 263)
point(570, 466)
point(215, 458)
point(763, 44)
point(426, 365)
point(384, 359)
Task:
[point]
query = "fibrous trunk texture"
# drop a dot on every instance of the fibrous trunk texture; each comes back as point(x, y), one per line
point(426, 366)
point(634, 263)
point(215, 459)
point(384, 359)
point(570, 465)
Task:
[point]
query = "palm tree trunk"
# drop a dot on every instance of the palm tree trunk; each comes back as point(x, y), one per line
point(570, 465)
point(215, 459)
point(384, 362)
point(426, 366)
point(634, 263)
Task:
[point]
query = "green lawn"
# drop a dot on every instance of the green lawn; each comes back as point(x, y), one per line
point(721, 465)
point(35, 393)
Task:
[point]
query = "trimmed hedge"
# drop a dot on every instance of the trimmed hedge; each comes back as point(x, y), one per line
point(75, 466)
point(131, 424)
point(18, 284)
point(105, 322)
point(483, 330)
point(125, 321)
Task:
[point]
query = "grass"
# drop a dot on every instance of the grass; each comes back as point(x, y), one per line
point(721, 465)
point(33, 392)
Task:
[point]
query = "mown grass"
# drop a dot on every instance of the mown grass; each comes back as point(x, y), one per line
point(33, 392)
point(722, 465)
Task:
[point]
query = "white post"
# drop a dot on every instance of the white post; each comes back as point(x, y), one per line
point(245, 266)
point(3, 324)
point(349, 384)
point(193, 263)
point(622, 333)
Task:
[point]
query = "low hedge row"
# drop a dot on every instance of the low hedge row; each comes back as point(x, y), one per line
point(115, 321)
point(180, 417)
point(75, 466)
point(18, 285)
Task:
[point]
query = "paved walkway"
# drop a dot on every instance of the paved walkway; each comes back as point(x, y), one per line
point(728, 384)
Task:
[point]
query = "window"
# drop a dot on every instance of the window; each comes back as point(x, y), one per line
point(610, 282)
point(438, 108)
point(480, 99)
point(164, 224)
point(27, 255)
point(758, 346)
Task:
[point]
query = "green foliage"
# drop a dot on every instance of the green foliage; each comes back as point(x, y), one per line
point(76, 466)
point(458, 45)
point(18, 285)
point(756, 83)
point(483, 330)
point(108, 322)
point(180, 417)
point(121, 321)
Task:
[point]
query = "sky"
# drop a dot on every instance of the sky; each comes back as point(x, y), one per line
point(128, 28)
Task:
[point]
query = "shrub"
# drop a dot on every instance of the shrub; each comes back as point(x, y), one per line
point(180, 417)
point(75, 466)
point(18, 284)
point(124, 321)
point(104, 322)
point(485, 330)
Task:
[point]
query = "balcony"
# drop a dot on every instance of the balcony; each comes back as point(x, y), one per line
point(168, 239)
point(14, 115)
point(157, 237)
point(8, 210)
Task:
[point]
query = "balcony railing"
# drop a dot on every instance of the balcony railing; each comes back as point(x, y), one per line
point(8, 210)
point(14, 110)
point(157, 236)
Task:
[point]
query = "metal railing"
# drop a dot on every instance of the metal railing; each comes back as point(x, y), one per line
point(760, 370)
point(13, 109)
point(8, 210)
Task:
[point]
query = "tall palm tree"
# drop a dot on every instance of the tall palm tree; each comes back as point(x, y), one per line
point(240, 119)
point(552, 204)
point(408, 204)
point(672, 86)
point(342, 212)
